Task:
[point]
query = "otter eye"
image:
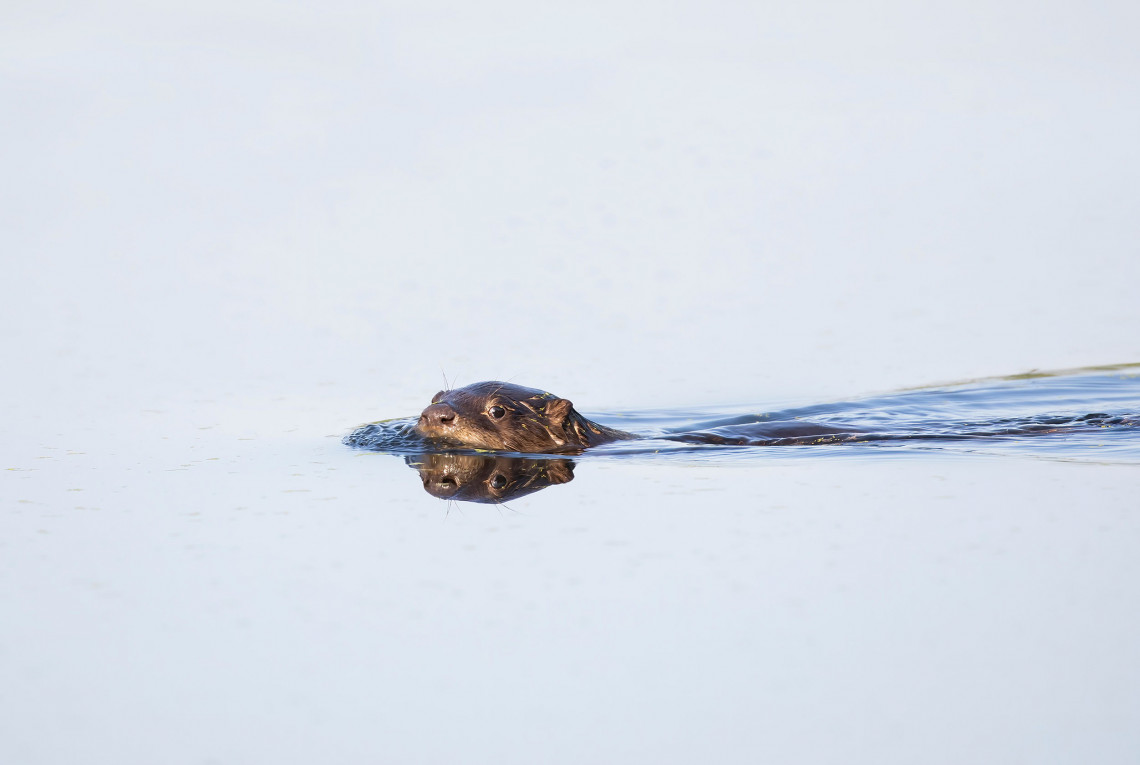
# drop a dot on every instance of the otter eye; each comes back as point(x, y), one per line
point(498, 481)
point(496, 412)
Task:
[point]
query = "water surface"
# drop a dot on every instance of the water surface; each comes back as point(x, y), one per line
point(233, 230)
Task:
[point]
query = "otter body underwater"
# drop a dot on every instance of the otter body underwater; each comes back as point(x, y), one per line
point(504, 417)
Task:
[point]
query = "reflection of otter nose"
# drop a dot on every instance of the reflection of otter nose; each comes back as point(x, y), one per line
point(438, 414)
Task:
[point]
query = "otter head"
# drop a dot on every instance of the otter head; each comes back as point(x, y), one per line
point(502, 417)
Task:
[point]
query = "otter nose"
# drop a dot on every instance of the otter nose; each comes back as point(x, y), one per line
point(438, 414)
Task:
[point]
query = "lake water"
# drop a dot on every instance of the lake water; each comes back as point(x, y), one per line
point(234, 232)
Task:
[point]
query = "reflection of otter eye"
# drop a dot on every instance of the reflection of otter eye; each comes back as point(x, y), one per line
point(497, 412)
point(498, 481)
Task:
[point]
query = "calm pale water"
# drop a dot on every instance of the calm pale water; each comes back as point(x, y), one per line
point(233, 232)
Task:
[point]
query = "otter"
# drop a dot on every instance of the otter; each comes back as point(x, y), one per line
point(530, 434)
point(1083, 408)
point(503, 417)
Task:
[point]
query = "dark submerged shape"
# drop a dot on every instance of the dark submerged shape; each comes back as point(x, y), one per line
point(502, 417)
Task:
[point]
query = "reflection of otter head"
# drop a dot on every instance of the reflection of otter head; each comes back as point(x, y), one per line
point(509, 418)
point(477, 478)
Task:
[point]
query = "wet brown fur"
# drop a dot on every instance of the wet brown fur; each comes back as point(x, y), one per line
point(532, 421)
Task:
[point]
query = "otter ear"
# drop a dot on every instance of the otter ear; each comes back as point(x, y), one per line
point(558, 409)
